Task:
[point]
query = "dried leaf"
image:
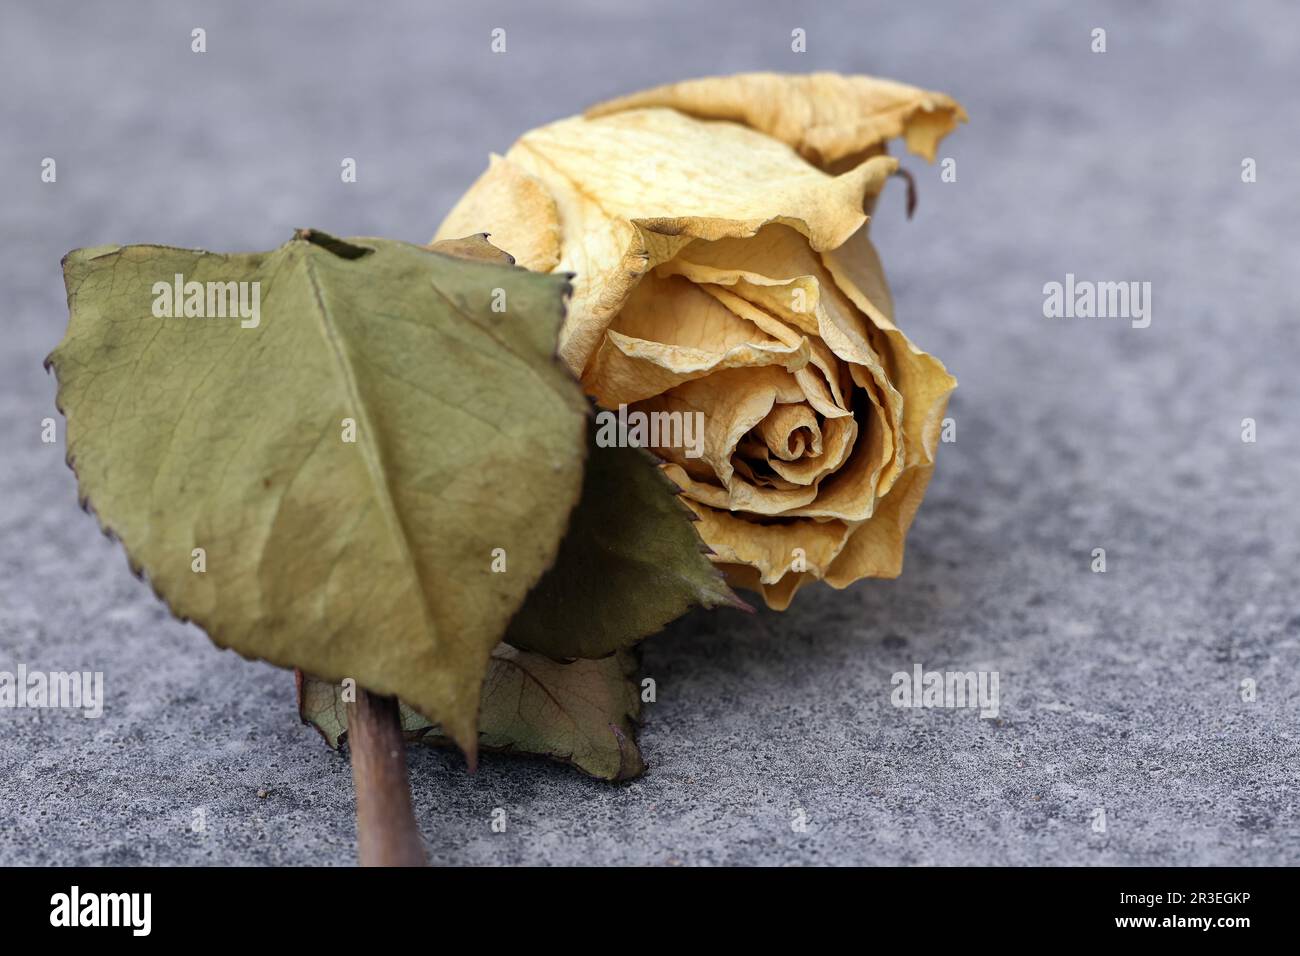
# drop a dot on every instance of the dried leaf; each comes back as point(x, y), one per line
point(583, 713)
point(347, 459)
point(631, 563)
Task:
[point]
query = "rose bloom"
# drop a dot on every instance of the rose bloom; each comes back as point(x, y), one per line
point(717, 232)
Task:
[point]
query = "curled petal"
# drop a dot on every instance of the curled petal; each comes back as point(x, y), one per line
point(875, 548)
point(774, 549)
point(920, 377)
point(825, 116)
point(631, 190)
point(671, 332)
point(774, 265)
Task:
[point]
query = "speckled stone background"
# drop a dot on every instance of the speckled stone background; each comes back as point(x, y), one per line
point(1119, 690)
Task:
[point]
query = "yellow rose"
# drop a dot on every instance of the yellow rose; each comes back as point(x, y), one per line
point(717, 233)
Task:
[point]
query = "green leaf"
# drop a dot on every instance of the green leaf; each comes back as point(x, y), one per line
point(583, 713)
point(347, 455)
point(630, 564)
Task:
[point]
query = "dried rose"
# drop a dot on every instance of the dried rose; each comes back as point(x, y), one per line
point(717, 230)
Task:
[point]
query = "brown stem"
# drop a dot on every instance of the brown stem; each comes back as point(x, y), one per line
point(386, 830)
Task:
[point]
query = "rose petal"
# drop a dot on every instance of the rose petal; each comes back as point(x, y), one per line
point(790, 432)
point(838, 439)
point(770, 548)
point(875, 548)
point(632, 189)
point(825, 116)
point(733, 402)
point(515, 209)
point(920, 377)
point(821, 379)
point(671, 332)
point(769, 262)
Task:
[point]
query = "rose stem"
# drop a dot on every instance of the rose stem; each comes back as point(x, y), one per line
point(386, 830)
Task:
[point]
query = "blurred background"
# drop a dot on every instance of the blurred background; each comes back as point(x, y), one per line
point(1120, 691)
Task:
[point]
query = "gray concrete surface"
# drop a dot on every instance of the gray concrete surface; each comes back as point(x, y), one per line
point(1119, 690)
